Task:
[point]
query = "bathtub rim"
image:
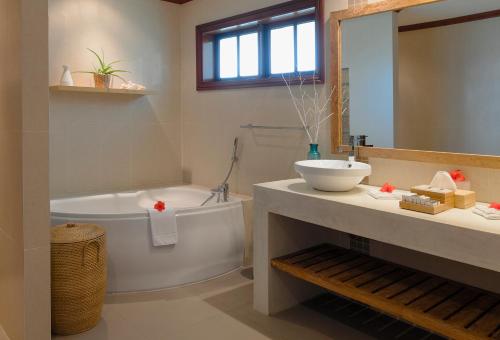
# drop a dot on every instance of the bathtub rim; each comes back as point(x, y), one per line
point(143, 214)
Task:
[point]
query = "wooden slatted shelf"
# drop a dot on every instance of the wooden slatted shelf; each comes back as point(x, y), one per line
point(442, 306)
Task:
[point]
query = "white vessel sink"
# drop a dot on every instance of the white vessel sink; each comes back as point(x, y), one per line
point(333, 175)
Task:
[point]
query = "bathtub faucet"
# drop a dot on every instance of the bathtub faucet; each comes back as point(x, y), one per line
point(222, 191)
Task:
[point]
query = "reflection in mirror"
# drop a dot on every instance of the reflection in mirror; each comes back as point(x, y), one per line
point(368, 59)
point(426, 78)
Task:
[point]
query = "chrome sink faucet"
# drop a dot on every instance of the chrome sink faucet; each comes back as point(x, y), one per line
point(354, 141)
point(352, 153)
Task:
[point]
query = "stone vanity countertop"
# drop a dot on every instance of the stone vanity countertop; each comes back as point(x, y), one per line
point(456, 234)
point(464, 218)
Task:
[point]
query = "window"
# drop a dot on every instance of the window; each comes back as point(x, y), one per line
point(306, 47)
point(282, 50)
point(249, 55)
point(238, 56)
point(293, 48)
point(257, 48)
point(228, 58)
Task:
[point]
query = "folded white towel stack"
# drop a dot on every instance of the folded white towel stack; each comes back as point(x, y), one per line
point(132, 86)
point(163, 227)
point(486, 212)
point(379, 195)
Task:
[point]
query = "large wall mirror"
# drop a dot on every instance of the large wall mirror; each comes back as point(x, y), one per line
point(424, 77)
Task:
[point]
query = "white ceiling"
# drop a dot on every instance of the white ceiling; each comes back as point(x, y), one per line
point(445, 10)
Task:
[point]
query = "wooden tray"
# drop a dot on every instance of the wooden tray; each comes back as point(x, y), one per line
point(424, 209)
point(448, 197)
point(442, 306)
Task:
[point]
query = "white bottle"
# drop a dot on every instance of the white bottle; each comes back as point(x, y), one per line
point(66, 78)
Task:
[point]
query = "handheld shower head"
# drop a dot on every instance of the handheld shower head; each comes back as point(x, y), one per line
point(235, 149)
point(223, 189)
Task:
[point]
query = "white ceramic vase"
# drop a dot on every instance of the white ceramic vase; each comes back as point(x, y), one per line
point(66, 78)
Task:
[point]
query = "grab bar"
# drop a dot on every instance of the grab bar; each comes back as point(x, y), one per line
point(252, 126)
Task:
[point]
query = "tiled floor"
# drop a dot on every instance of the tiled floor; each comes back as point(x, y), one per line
point(222, 309)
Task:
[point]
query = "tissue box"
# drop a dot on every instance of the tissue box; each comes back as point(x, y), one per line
point(465, 199)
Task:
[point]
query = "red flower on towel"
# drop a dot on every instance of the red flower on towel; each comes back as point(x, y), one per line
point(457, 175)
point(495, 205)
point(387, 188)
point(160, 206)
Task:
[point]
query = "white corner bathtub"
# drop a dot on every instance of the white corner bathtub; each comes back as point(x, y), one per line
point(211, 238)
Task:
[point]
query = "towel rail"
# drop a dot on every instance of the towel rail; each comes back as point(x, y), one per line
point(267, 127)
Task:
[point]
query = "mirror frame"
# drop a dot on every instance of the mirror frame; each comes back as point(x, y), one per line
point(364, 153)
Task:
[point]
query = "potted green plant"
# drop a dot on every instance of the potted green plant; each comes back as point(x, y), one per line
point(105, 72)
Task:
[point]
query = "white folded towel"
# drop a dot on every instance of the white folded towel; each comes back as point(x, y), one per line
point(487, 212)
point(132, 86)
point(163, 227)
point(379, 195)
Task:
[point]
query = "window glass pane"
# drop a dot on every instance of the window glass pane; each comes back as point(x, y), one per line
point(249, 55)
point(306, 47)
point(228, 57)
point(208, 60)
point(282, 50)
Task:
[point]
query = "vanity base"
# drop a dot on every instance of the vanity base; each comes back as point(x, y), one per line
point(442, 306)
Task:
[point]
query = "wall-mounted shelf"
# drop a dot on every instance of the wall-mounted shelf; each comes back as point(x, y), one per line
point(59, 88)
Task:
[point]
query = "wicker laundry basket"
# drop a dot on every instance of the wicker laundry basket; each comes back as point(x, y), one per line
point(78, 269)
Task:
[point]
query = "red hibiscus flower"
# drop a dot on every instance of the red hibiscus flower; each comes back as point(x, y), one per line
point(457, 175)
point(160, 206)
point(495, 205)
point(387, 188)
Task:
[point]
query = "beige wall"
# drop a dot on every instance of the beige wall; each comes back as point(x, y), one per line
point(11, 232)
point(24, 225)
point(106, 143)
point(111, 143)
point(448, 87)
point(211, 120)
point(35, 101)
